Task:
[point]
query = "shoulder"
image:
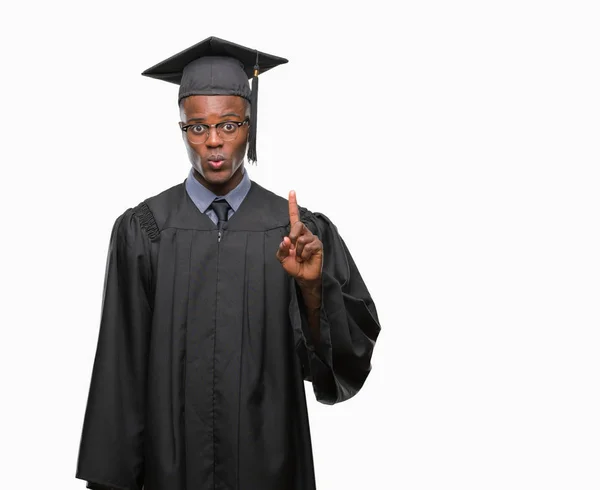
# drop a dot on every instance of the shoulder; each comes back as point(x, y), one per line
point(127, 229)
point(316, 222)
point(262, 209)
point(148, 215)
point(268, 198)
point(161, 205)
point(279, 205)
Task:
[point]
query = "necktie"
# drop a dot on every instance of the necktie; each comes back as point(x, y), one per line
point(221, 209)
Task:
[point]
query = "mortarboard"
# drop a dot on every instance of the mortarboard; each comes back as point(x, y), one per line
point(218, 67)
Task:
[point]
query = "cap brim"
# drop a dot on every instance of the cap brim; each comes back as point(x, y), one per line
point(171, 69)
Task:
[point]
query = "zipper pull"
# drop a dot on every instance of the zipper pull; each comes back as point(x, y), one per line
point(219, 239)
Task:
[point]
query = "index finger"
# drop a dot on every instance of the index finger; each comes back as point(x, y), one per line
point(293, 205)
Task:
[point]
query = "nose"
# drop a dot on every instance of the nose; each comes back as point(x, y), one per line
point(213, 140)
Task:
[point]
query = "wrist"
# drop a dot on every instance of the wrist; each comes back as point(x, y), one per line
point(311, 294)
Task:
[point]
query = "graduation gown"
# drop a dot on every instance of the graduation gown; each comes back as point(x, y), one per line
point(198, 378)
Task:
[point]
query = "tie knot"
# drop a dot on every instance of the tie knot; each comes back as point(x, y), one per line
point(221, 209)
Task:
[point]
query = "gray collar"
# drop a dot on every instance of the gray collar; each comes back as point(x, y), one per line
point(203, 198)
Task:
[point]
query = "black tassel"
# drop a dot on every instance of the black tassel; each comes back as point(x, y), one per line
point(253, 114)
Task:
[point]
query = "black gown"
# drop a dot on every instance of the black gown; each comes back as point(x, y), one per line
point(203, 347)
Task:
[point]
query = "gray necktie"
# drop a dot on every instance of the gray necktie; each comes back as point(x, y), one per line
point(221, 209)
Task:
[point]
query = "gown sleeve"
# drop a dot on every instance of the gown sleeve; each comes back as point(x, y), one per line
point(340, 362)
point(111, 446)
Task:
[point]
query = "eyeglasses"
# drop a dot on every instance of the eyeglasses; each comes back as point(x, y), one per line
point(227, 130)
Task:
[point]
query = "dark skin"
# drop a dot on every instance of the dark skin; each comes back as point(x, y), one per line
point(301, 256)
point(213, 109)
point(301, 252)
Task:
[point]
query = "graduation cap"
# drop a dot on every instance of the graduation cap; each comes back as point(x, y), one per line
point(218, 67)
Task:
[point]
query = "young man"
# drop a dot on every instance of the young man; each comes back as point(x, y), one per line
point(220, 299)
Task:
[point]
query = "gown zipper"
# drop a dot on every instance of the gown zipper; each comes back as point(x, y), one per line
point(219, 235)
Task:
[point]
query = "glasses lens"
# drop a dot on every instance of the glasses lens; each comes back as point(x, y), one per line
point(198, 133)
point(227, 130)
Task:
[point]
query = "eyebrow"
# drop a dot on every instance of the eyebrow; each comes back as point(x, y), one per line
point(228, 114)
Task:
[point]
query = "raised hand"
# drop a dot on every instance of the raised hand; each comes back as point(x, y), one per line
point(300, 253)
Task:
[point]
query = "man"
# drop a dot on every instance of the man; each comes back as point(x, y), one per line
point(220, 298)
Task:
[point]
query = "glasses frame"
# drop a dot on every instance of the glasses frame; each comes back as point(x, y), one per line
point(239, 124)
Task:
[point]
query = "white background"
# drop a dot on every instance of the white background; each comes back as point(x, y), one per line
point(454, 144)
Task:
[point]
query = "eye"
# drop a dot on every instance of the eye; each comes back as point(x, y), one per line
point(229, 127)
point(198, 129)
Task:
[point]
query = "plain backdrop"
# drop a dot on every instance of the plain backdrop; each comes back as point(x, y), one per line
point(454, 144)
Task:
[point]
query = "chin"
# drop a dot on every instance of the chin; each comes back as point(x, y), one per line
point(217, 177)
point(213, 177)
